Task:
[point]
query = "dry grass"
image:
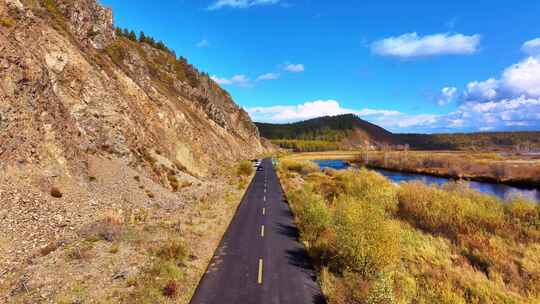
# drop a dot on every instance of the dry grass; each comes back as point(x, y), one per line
point(244, 168)
point(470, 165)
point(7, 22)
point(375, 242)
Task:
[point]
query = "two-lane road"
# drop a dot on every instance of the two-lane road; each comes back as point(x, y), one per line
point(260, 259)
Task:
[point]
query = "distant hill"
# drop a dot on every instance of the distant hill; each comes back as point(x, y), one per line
point(343, 131)
point(348, 131)
point(522, 141)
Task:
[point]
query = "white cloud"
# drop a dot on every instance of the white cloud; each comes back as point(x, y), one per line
point(508, 103)
point(482, 90)
point(412, 45)
point(203, 43)
point(268, 76)
point(317, 108)
point(448, 95)
point(523, 77)
point(531, 47)
point(520, 113)
point(520, 79)
point(506, 114)
point(294, 68)
point(239, 80)
point(240, 3)
point(303, 111)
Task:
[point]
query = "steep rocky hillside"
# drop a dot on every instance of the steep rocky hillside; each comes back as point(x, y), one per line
point(111, 151)
point(70, 88)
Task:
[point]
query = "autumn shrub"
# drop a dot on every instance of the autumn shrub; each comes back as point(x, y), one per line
point(376, 242)
point(301, 167)
point(523, 217)
point(367, 242)
point(7, 22)
point(244, 168)
point(448, 212)
point(369, 186)
point(171, 289)
point(314, 217)
point(172, 250)
point(160, 280)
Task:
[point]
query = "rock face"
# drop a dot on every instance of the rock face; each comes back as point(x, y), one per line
point(91, 23)
point(70, 88)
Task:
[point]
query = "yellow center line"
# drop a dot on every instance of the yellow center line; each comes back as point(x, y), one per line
point(262, 231)
point(259, 277)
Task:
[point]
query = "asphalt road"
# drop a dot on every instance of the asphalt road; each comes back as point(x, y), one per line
point(260, 259)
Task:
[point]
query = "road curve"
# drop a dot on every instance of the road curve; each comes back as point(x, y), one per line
point(260, 259)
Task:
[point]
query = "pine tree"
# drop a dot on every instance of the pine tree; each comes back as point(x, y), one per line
point(142, 37)
point(132, 36)
point(161, 46)
point(118, 31)
point(150, 40)
point(125, 32)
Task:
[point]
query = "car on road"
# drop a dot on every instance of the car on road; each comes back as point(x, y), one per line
point(256, 163)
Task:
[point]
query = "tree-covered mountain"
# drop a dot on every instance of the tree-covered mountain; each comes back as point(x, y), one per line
point(348, 131)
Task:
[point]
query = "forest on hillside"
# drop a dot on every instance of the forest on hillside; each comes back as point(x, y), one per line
point(328, 132)
point(327, 128)
point(517, 141)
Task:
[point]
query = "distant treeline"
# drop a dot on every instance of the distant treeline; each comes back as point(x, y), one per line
point(324, 128)
point(131, 35)
point(306, 145)
point(338, 132)
point(473, 141)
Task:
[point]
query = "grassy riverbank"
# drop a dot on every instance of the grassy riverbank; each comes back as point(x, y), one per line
point(514, 170)
point(375, 242)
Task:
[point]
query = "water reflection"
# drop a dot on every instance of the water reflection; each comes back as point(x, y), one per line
point(500, 190)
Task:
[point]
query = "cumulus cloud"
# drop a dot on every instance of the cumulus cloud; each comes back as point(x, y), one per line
point(311, 109)
point(240, 3)
point(482, 90)
point(520, 113)
point(238, 80)
point(268, 76)
point(412, 45)
point(448, 94)
point(510, 102)
point(520, 79)
point(531, 47)
point(523, 78)
point(203, 43)
point(294, 68)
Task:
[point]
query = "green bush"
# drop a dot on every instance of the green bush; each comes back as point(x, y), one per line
point(367, 242)
point(244, 168)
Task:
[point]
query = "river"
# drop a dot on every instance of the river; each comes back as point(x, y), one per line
point(500, 190)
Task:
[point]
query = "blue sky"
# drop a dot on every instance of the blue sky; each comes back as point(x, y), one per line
point(410, 66)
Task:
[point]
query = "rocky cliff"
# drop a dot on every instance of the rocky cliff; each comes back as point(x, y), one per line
point(109, 150)
point(69, 88)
